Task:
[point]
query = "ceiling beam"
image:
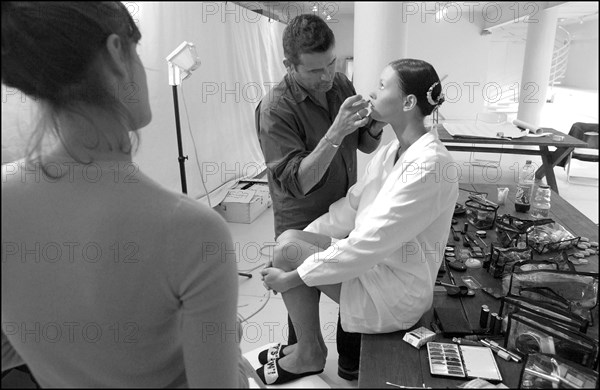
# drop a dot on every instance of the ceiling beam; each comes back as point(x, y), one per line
point(263, 8)
point(501, 14)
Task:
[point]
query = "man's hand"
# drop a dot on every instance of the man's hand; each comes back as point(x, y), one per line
point(349, 118)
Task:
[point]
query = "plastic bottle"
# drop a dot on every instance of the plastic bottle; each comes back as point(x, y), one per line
point(525, 188)
point(540, 206)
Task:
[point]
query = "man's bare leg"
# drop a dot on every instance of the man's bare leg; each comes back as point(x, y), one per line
point(302, 302)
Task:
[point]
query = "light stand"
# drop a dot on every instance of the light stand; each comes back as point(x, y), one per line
point(182, 62)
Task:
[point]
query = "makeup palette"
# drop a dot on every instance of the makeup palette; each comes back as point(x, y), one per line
point(462, 361)
point(444, 359)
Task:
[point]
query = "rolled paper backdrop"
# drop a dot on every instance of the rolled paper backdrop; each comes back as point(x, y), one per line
point(528, 126)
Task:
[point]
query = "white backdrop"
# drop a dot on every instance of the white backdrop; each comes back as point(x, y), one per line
point(241, 54)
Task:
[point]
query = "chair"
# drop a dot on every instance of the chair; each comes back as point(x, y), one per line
point(476, 157)
point(587, 132)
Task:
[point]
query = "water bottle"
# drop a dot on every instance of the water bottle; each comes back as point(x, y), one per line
point(540, 207)
point(524, 188)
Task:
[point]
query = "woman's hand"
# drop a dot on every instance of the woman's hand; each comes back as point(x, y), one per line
point(375, 126)
point(276, 279)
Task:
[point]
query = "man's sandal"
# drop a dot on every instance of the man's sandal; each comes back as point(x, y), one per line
point(275, 352)
point(272, 374)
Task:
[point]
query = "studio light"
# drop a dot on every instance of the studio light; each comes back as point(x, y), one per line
point(182, 62)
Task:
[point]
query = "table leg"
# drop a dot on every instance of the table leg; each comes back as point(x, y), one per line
point(549, 161)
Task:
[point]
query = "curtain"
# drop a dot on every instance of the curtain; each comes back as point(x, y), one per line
point(241, 56)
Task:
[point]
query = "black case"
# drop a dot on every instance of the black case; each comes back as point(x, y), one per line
point(453, 322)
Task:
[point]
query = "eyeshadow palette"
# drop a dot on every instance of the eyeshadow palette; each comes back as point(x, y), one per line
point(462, 361)
point(444, 359)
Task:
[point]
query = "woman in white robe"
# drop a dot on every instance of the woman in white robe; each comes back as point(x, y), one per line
point(391, 230)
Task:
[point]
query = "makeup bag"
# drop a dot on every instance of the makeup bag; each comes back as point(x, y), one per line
point(528, 333)
point(544, 371)
point(512, 304)
point(576, 292)
point(481, 212)
point(551, 237)
point(503, 259)
point(557, 263)
point(511, 230)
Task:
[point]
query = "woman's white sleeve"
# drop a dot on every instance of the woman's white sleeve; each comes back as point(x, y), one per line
point(339, 221)
point(413, 203)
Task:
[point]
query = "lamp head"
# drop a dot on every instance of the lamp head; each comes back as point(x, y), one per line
point(185, 58)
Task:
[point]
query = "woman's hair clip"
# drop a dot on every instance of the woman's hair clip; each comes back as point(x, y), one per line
point(440, 98)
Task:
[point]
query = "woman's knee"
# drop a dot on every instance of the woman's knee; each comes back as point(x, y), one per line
point(290, 234)
point(290, 250)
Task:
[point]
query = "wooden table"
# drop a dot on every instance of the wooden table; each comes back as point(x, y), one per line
point(385, 357)
point(520, 146)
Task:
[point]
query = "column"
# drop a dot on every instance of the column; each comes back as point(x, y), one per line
point(537, 63)
point(380, 36)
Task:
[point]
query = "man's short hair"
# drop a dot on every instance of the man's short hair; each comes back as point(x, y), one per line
point(306, 33)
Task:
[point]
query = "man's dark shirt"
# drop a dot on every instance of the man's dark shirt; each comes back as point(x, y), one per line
point(290, 124)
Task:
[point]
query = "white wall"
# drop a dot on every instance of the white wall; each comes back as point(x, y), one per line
point(455, 48)
point(343, 29)
point(458, 51)
point(505, 67)
point(582, 66)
